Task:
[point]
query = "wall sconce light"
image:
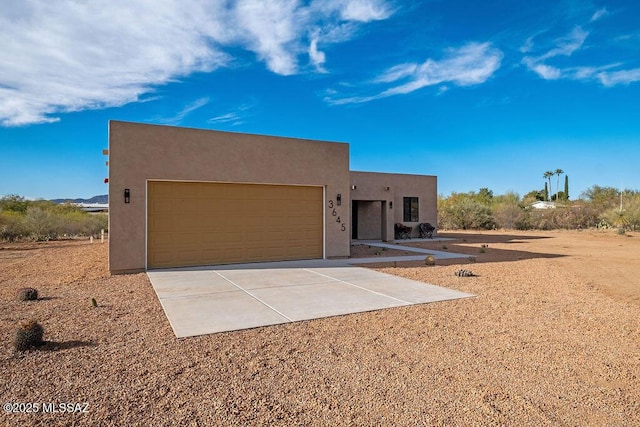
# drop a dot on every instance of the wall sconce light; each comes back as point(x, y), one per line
point(387, 188)
point(339, 199)
point(127, 195)
point(353, 187)
point(390, 205)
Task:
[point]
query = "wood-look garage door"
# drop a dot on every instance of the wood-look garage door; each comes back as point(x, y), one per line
point(216, 223)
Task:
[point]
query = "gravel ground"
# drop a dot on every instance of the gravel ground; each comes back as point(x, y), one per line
point(553, 338)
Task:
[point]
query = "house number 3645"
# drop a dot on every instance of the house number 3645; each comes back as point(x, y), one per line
point(334, 213)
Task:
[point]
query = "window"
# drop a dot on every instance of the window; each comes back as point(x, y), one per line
point(411, 209)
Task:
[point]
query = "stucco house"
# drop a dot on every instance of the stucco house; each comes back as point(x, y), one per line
point(188, 197)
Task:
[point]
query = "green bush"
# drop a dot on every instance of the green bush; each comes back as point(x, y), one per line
point(511, 216)
point(462, 212)
point(601, 207)
point(14, 203)
point(42, 224)
point(11, 226)
point(43, 220)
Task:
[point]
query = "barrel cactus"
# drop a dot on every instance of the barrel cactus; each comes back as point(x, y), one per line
point(28, 335)
point(27, 294)
point(464, 273)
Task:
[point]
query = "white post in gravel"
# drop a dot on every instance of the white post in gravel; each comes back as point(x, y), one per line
point(102, 236)
point(91, 239)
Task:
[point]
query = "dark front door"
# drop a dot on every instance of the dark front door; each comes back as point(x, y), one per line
point(354, 219)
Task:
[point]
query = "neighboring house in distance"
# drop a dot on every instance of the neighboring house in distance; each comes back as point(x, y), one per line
point(93, 207)
point(188, 197)
point(540, 204)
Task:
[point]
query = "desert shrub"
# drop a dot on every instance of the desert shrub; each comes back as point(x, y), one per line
point(580, 215)
point(430, 260)
point(28, 335)
point(11, 226)
point(467, 214)
point(79, 223)
point(41, 224)
point(511, 216)
point(71, 223)
point(600, 207)
point(96, 222)
point(633, 214)
point(44, 220)
point(628, 217)
point(14, 203)
point(602, 198)
point(27, 294)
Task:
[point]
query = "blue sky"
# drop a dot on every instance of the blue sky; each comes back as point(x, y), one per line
point(481, 94)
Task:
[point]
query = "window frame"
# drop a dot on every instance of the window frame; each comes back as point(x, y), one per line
point(410, 205)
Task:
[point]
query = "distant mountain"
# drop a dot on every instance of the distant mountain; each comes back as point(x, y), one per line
point(95, 199)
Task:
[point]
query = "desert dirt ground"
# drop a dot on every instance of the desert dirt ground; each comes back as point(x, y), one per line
point(552, 338)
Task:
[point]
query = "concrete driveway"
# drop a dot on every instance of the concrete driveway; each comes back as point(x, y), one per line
point(206, 300)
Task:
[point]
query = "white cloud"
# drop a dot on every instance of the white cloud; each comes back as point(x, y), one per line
point(624, 77)
point(365, 11)
point(567, 45)
point(527, 46)
point(547, 72)
point(353, 10)
point(468, 65)
point(317, 57)
point(270, 28)
point(60, 57)
point(599, 14)
point(564, 46)
point(607, 75)
point(233, 118)
point(69, 56)
point(179, 116)
point(397, 72)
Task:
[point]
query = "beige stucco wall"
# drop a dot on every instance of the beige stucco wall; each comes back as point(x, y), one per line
point(372, 186)
point(141, 152)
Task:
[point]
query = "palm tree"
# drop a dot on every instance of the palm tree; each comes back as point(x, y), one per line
point(547, 175)
point(558, 172)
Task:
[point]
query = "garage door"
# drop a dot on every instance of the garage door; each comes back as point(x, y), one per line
point(216, 223)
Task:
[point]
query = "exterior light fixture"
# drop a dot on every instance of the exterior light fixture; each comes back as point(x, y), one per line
point(339, 199)
point(390, 205)
point(387, 188)
point(353, 187)
point(127, 195)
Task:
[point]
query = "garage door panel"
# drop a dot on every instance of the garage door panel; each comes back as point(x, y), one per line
point(161, 191)
point(214, 223)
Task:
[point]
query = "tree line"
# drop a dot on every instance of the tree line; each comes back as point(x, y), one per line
point(547, 192)
point(40, 220)
point(597, 207)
